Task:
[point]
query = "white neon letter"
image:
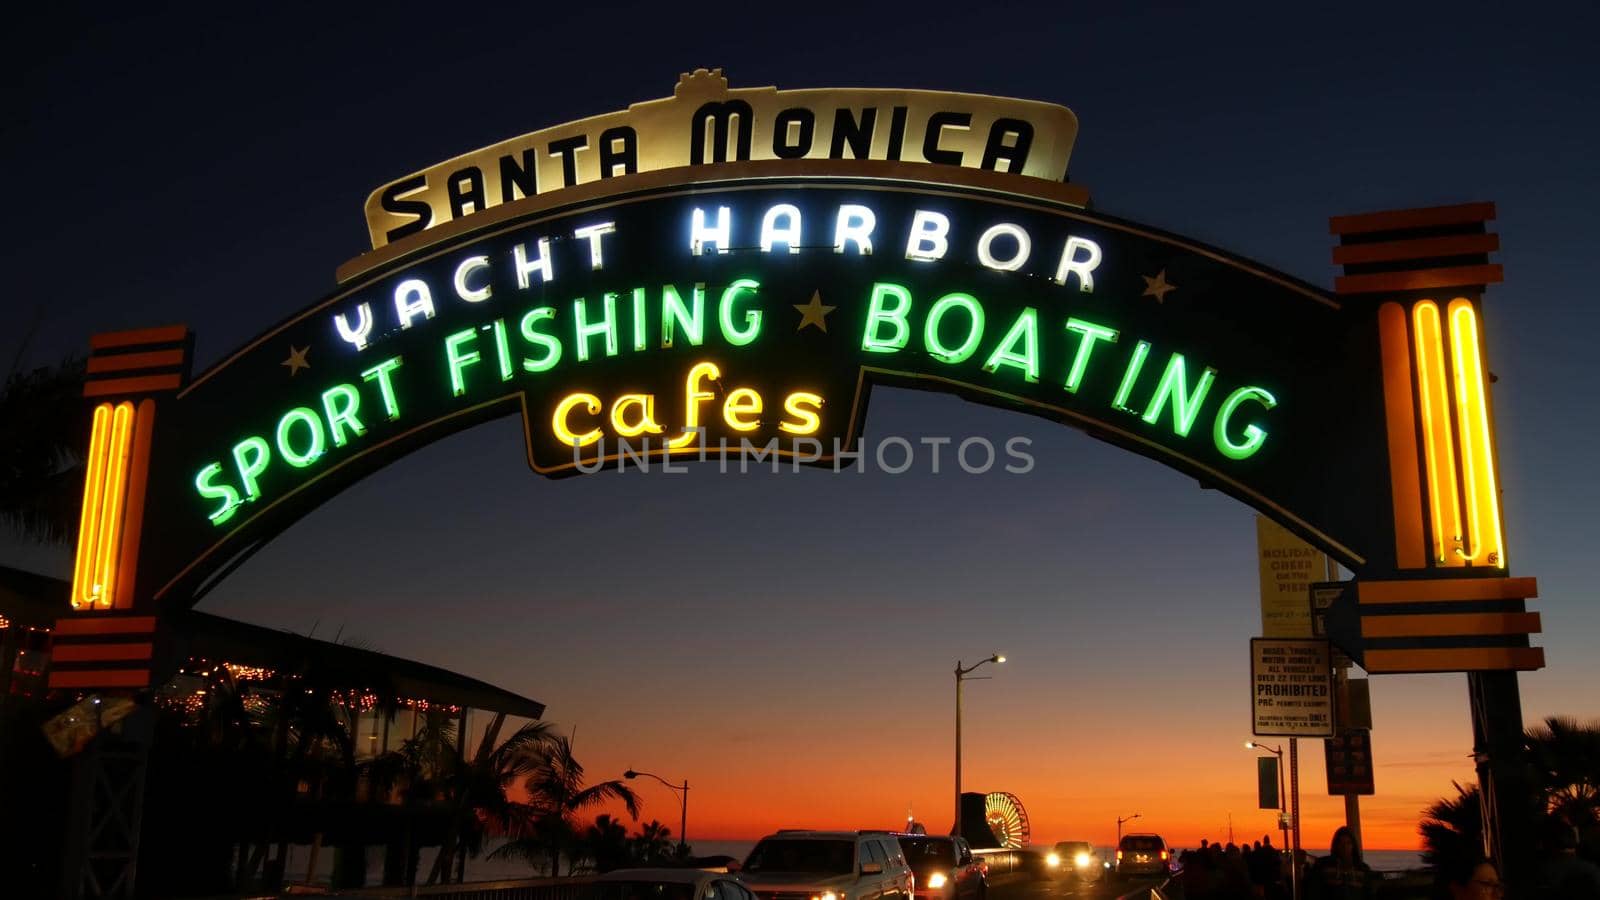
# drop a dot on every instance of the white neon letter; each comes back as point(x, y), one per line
point(700, 235)
point(593, 233)
point(411, 297)
point(788, 233)
point(855, 223)
point(1083, 268)
point(986, 253)
point(930, 233)
point(525, 267)
point(468, 266)
point(358, 334)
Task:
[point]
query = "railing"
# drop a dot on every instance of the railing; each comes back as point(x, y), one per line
point(1007, 862)
point(1170, 889)
point(513, 889)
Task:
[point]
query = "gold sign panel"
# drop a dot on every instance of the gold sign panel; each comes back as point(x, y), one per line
point(705, 123)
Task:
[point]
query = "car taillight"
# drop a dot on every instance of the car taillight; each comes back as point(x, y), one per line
point(1163, 856)
point(1119, 856)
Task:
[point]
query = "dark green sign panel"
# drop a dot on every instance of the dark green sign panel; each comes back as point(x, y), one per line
point(689, 322)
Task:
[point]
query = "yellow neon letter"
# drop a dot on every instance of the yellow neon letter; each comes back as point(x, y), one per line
point(693, 397)
point(796, 405)
point(647, 417)
point(558, 422)
point(741, 402)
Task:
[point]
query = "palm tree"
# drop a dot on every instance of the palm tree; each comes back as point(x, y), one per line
point(558, 795)
point(480, 793)
point(1452, 828)
point(1565, 757)
point(46, 424)
point(606, 842)
point(653, 842)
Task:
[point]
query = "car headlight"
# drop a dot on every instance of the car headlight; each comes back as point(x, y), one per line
point(1082, 860)
point(1053, 860)
point(828, 895)
point(937, 880)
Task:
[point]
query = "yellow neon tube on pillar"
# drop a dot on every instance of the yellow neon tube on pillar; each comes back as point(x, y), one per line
point(1433, 395)
point(104, 491)
point(1484, 544)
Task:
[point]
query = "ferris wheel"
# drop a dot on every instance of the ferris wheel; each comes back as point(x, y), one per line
point(1007, 819)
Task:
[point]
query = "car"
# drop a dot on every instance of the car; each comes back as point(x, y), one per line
point(1075, 859)
point(1142, 855)
point(828, 865)
point(665, 884)
point(944, 867)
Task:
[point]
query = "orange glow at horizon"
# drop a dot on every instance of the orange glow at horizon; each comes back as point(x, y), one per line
point(1185, 787)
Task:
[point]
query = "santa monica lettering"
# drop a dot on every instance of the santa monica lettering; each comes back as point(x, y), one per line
point(705, 123)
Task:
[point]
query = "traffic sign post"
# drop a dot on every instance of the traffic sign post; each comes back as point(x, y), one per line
point(1349, 761)
point(1291, 688)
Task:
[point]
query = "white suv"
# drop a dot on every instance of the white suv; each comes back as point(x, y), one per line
point(828, 865)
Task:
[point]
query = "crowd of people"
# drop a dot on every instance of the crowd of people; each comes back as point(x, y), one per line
point(1260, 871)
point(1251, 870)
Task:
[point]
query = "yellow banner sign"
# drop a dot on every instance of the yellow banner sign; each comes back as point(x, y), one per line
point(1288, 566)
point(705, 123)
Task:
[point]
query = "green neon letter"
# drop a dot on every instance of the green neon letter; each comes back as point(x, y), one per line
point(1254, 435)
point(223, 492)
point(1026, 330)
point(930, 336)
point(880, 312)
point(1089, 335)
point(674, 314)
point(1140, 351)
point(638, 315)
point(752, 317)
point(314, 450)
point(380, 373)
point(251, 456)
point(606, 326)
point(1175, 386)
point(502, 349)
point(551, 346)
point(459, 361)
point(340, 402)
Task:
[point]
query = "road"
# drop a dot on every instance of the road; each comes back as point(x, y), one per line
point(1013, 887)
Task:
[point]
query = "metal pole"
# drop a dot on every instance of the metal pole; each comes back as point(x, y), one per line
point(1352, 802)
point(956, 828)
point(1283, 818)
point(683, 822)
point(1294, 815)
point(1504, 792)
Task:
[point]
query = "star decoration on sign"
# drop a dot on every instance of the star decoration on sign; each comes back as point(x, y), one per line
point(1157, 286)
point(296, 360)
point(814, 313)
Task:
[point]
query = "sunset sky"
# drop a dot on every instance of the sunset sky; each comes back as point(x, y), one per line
point(785, 642)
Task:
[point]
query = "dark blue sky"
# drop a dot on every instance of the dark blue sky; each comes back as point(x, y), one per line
point(209, 167)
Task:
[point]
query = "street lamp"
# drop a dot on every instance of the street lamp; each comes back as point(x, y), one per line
point(1283, 817)
point(962, 674)
point(1120, 821)
point(683, 806)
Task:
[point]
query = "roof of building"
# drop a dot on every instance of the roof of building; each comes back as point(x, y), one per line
point(29, 598)
point(32, 599)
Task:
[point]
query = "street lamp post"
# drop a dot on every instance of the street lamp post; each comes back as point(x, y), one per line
point(1283, 821)
point(1120, 821)
point(962, 674)
point(683, 806)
